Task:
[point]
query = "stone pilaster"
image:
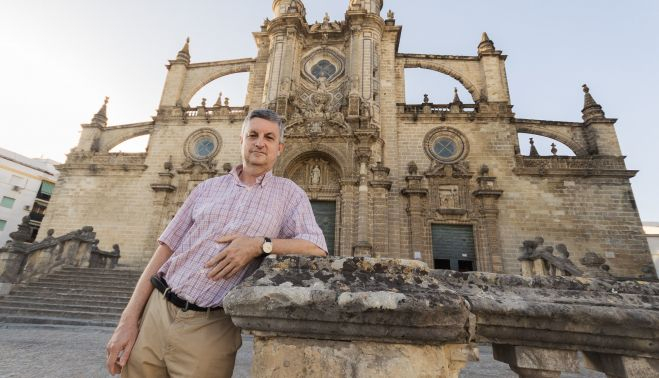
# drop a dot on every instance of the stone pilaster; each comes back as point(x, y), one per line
point(488, 195)
point(416, 214)
point(380, 187)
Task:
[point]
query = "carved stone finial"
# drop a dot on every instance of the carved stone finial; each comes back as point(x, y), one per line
point(533, 151)
point(168, 164)
point(218, 103)
point(101, 117)
point(456, 98)
point(24, 232)
point(226, 101)
point(226, 167)
point(425, 99)
point(553, 149)
point(591, 109)
point(326, 18)
point(203, 102)
point(412, 168)
point(183, 55)
point(485, 170)
point(390, 15)
point(486, 45)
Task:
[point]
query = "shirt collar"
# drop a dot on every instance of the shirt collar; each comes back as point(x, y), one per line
point(261, 180)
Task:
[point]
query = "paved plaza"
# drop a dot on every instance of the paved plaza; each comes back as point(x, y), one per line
point(72, 352)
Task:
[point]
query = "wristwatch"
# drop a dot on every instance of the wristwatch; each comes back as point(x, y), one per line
point(266, 248)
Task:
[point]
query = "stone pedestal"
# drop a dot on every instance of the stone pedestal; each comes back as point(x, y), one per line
point(532, 362)
point(352, 317)
point(288, 357)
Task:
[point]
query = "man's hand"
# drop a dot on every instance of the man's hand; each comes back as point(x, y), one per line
point(240, 252)
point(120, 345)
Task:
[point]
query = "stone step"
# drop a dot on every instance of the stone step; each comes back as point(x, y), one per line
point(73, 277)
point(70, 300)
point(48, 290)
point(19, 319)
point(110, 275)
point(43, 312)
point(100, 270)
point(52, 305)
point(73, 284)
point(26, 292)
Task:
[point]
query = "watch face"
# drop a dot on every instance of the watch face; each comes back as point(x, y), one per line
point(267, 246)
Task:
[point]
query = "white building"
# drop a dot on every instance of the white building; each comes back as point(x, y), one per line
point(651, 230)
point(25, 188)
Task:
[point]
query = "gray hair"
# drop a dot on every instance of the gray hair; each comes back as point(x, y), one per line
point(268, 115)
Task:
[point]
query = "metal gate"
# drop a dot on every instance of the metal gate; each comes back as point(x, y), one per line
point(325, 213)
point(453, 247)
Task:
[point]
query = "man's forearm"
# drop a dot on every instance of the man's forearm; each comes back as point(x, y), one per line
point(144, 287)
point(296, 247)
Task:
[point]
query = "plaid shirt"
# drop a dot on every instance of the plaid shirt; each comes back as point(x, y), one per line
point(274, 207)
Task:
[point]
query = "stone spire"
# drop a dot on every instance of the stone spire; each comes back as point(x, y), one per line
point(591, 109)
point(183, 56)
point(101, 118)
point(456, 98)
point(533, 151)
point(486, 45)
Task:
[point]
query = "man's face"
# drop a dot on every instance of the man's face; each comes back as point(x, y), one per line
point(260, 144)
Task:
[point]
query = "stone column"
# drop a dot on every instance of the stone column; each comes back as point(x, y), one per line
point(351, 317)
point(488, 195)
point(416, 195)
point(348, 204)
point(532, 362)
point(380, 192)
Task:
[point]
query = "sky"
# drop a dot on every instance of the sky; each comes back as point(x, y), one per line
point(60, 58)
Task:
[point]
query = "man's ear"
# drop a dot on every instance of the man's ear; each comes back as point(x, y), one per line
point(281, 149)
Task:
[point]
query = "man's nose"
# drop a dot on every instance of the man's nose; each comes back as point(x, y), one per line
point(260, 142)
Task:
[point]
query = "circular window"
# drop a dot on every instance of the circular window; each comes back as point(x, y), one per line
point(203, 144)
point(204, 147)
point(323, 68)
point(445, 144)
point(445, 147)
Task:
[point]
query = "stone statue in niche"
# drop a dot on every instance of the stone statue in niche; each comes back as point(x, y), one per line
point(449, 197)
point(315, 175)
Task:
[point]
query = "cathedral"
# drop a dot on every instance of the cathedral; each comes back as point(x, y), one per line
point(442, 183)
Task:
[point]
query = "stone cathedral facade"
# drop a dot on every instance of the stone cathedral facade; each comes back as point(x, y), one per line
point(444, 183)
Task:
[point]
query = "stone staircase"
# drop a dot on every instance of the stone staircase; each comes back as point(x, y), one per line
point(71, 296)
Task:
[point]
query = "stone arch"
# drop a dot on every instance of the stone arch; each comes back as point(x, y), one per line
point(438, 67)
point(198, 76)
point(113, 136)
point(568, 140)
point(289, 158)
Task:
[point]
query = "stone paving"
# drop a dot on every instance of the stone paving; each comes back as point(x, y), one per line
point(63, 351)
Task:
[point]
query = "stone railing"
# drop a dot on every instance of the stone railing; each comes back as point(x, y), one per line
point(216, 111)
point(104, 259)
point(365, 317)
point(575, 165)
point(430, 108)
point(107, 158)
point(539, 260)
point(22, 262)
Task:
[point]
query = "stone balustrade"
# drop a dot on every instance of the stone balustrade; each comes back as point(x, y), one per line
point(366, 317)
point(21, 261)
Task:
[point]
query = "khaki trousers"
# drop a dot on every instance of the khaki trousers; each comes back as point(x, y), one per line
point(176, 343)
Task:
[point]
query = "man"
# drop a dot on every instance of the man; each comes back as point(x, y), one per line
point(215, 240)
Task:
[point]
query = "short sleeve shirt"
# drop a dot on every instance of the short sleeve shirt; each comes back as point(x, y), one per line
point(274, 207)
